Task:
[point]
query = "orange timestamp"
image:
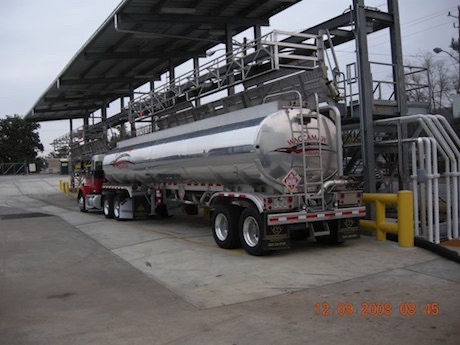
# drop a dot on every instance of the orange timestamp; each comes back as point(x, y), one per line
point(376, 309)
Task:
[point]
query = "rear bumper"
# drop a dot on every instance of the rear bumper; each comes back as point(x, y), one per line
point(306, 217)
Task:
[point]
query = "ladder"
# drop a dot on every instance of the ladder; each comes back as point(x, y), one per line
point(312, 148)
point(313, 190)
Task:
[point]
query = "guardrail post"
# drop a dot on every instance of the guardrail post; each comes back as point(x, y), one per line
point(404, 227)
point(379, 220)
point(405, 219)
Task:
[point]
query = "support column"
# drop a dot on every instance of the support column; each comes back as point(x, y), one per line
point(85, 128)
point(366, 97)
point(152, 118)
point(400, 93)
point(71, 167)
point(122, 126)
point(70, 136)
point(130, 114)
point(172, 77)
point(257, 33)
point(228, 51)
point(196, 74)
point(104, 121)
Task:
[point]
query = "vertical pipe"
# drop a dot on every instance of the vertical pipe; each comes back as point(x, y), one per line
point(415, 188)
point(421, 164)
point(338, 126)
point(436, 188)
point(429, 177)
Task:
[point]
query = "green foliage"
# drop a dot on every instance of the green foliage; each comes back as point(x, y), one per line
point(19, 140)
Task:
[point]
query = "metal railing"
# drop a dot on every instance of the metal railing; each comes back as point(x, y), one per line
point(416, 78)
point(434, 141)
point(253, 59)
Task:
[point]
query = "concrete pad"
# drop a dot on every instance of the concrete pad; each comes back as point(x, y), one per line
point(440, 268)
point(207, 276)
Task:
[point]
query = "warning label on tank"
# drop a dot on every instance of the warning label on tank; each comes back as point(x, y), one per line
point(291, 180)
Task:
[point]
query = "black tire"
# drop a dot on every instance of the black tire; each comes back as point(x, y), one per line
point(116, 207)
point(82, 203)
point(107, 206)
point(224, 224)
point(331, 239)
point(250, 230)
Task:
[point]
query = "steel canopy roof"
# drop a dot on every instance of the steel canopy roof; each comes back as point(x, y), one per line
point(137, 43)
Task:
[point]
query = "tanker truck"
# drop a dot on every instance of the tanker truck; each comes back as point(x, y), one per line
point(265, 174)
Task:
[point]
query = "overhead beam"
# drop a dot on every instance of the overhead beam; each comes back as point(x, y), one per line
point(86, 107)
point(80, 97)
point(140, 55)
point(53, 117)
point(85, 81)
point(143, 18)
point(381, 20)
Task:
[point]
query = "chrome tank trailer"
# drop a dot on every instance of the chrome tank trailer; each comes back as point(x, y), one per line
point(254, 146)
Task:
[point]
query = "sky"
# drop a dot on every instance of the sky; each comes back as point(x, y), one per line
point(39, 37)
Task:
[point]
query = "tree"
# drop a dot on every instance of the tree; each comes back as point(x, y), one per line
point(436, 86)
point(19, 140)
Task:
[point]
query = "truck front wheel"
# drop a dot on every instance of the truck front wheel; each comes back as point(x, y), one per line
point(225, 226)
point(251, 232)
point(82, 203)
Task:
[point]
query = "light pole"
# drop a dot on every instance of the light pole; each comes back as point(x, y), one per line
point(438, 50)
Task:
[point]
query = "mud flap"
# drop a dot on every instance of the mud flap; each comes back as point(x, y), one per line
point(140, 207)
point(276, 237)
point(348, 229)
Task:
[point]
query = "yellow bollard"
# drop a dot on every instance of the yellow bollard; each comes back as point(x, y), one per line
point(379, 220)
point(61, 188)
point(405, 219)
point(66, 188)
point(404, 227)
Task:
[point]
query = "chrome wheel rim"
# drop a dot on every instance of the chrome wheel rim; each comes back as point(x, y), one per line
point(221, 227)
point(251, 231)
point(116, 210)
point(106, 207)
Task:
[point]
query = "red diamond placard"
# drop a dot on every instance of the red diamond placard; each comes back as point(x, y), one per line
point(291, 180)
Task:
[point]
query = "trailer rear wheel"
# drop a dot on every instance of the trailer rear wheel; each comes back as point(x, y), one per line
point(107, 206)
point(251, 232)
point(116, 207)
point(225, 226)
